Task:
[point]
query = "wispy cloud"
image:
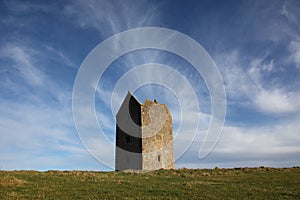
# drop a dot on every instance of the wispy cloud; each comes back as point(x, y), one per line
point(258, 56)
point(36, 116)
point(249, 82)
point(269, 141)
point(17, 6)
point(23, 63)
point(276, 101)
point(289, 10)
point(294, 48)
point(110, 17)
point(243, 146)
point(35, 130)
point(59, 56)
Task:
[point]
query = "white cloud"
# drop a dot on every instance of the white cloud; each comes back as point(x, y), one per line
point(34, 130)
point(294, 48)
point(288, 10)
point(277, 102)
point(36, 115)
point(238, 82)
point(27, 67)
point(251, 86)
point(273, 145)
point(284, 10)
point(271, 99)
point(59, 56)
point(106, 122)
point(270, 140)
point(23, 63)
point(110, 17)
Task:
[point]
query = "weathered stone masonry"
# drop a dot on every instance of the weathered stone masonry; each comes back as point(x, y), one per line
point(144, 139)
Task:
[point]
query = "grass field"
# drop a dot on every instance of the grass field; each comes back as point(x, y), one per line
point(239, 183)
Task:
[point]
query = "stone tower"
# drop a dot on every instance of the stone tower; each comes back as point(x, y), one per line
point(144, 139)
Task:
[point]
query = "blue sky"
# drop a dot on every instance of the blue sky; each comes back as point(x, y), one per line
point(255, 44)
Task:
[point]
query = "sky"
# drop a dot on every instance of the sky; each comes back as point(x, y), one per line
point(254, 44)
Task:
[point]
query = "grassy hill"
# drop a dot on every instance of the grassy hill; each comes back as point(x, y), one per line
point(238, 183)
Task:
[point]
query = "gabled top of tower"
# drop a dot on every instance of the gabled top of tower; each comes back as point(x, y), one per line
point(129, 97)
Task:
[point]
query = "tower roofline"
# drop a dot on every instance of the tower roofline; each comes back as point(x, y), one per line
point(128, 96)
point(134, 97)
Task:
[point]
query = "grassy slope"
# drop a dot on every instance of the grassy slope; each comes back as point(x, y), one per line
point(245, 183)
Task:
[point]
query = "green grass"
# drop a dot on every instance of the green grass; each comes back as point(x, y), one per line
point(244, 183)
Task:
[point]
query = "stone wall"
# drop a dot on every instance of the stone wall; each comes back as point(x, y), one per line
point(144, 139)
point(157, 137)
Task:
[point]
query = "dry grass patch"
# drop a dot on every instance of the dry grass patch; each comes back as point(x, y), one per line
point(10, 181)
